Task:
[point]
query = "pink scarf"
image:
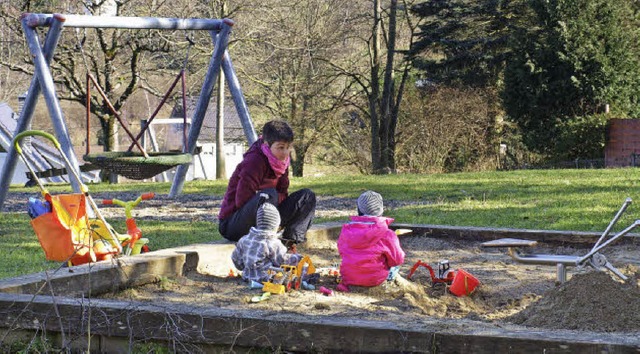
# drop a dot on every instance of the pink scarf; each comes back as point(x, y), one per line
point(278, 166)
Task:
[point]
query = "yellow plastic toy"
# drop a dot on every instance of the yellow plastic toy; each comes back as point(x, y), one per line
point(288, 277)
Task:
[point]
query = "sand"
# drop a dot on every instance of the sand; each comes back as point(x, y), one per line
point(509, 292)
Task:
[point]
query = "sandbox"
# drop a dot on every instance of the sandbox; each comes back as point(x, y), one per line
point(185, 298)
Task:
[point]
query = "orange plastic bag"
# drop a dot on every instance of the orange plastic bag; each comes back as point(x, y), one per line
point(64, 233)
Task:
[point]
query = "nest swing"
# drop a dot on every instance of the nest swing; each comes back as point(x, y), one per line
point(143, 164)
point(135, 165)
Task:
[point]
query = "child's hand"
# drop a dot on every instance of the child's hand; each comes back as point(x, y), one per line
point(393, 272)
point(295, 259)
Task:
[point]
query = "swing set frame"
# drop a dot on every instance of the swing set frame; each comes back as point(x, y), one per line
point(127, 163)
point(42, 81)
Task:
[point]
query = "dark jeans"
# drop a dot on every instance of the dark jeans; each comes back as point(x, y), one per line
point(296, 215)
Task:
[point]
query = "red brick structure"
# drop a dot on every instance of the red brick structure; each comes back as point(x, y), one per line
point(622, 147)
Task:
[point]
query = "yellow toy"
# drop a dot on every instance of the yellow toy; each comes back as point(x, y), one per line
point(289, 277)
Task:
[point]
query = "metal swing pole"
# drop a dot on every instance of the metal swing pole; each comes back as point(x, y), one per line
point(128, 22)
point(43, 81)
point(26, 114)
point(213, 71)
point(238, 99)
point(49, 92)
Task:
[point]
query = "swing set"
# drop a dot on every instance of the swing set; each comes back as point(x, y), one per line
point(138, 164)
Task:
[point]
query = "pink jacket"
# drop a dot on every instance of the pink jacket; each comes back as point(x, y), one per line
point(368, 249)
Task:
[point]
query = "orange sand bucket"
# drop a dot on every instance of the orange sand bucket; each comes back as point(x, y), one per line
point(463, 283)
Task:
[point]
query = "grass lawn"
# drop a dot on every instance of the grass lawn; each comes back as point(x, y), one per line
point(580, 200)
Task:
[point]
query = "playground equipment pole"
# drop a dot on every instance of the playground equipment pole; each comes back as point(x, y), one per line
point(83, 21)
point(238, 98)
point(26, 114)
point(49, 92)
point(42, 81)
point(222, 38)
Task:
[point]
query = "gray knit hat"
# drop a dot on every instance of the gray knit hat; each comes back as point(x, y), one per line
point(268, 217)
point(370, 203)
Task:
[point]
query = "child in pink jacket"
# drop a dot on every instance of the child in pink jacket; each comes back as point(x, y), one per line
point(369, 249)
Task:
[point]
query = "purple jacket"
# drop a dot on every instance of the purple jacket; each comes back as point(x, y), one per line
point(368, 249)
point(252, 175)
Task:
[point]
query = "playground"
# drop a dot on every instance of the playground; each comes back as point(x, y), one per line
point(186, 291)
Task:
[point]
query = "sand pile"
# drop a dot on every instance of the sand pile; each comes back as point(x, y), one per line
point(591, 301)
point(406, 295)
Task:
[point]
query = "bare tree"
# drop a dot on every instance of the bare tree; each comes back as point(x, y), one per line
point(379, 37)
point(287, 63)
point(10, 51)
point(442, 137)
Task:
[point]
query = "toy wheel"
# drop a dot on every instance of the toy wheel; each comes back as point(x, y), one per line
point(284, 280)
point(296, 283)
point(437, 289)
point(145, 249)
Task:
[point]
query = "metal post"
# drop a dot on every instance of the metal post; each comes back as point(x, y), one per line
point(221, 161)
point(26, 113)
point(53, 105)
point(203, 103)
point(154, 145)
point(561, 273)
point(613, 222)
point(83, 21)
point(238, 99)
point(612, 239)
point(204, 170)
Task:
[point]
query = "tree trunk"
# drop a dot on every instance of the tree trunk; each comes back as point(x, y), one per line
point(221, 162)
point(109, 125)
point(387, 94)
point(297, 165)
point(301, 145)
point(374, 95)
point(393, 121)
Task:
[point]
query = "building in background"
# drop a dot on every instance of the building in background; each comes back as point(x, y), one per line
point(622, 147)
point(204, 164)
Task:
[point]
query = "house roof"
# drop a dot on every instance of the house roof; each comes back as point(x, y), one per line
point(41, 155)
point(6, 113)
point(233, 131)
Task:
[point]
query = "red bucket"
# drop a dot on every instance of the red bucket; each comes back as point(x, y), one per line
point(463, 283)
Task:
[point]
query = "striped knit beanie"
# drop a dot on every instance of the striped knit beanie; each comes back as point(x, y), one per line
point(268, 217)
point(370, 204)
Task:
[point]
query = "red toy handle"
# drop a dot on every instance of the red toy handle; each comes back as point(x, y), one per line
point(421, 263)
point(147, 196)
point(107, 201)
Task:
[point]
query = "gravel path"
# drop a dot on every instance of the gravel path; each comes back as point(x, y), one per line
point(189, 207)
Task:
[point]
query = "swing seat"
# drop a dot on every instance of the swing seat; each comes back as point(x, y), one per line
point(134, 165)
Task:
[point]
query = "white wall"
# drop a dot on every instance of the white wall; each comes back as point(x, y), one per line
point(233, 156)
